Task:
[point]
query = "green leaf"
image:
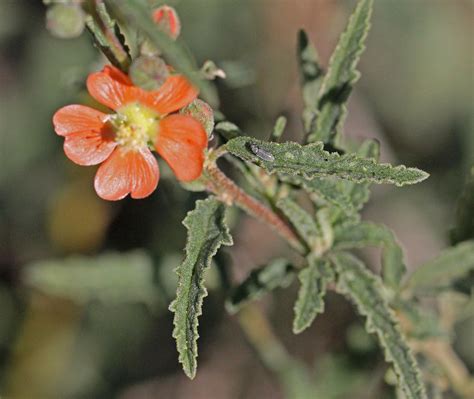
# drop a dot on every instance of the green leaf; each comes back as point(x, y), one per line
point(278, 273)
point(207, 231)
point(366, 291)
point(314, 279)
point(139, 16)
point(464, 228)
point(359, 193)
point(441, 272)
point(341, 75)
point(227, 130)
point(311, 161)
point(278, 129)
point(311, 75)
point(302, 221)
point(366, 234)
point(109, 278)
point(327, 189)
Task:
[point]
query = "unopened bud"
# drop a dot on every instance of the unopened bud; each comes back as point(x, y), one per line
point(210, 71)
point(168, 21)
point(202, 112)
point(65, 21)
point(149, 73)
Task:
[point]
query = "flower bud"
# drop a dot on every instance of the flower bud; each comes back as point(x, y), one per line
point(202, 112)
point(149, 73)
point(167, 20)
point(65, 21)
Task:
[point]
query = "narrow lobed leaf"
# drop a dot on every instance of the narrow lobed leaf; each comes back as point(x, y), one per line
point(359, 193)
point(207, 231)
point(365, 234)
point(314, 280)
point(341, 75)
point(278, 273)
point(311, 161)
point(441, 272)
point(327, 189)
point(311, 75)
point(302, 221)
point(364, 289)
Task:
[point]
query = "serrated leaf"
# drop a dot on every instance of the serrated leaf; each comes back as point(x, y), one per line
point(341, 75)
point(326, 189)
point(278, 273)
point(311, 74)
point(302, 221)
point(441, 272)
point(464, 226)
point(311, 161)
point(366, 291)
point(207, 231)
point(359, 193)
point(109, 278)
point(366, 234)
point(314, 279)
point(139, 16)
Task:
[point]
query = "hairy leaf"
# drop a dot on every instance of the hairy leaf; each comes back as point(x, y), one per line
point(109, 278)
point(207, 231)
point(311, 161)
point(311, 75)
point(464, 228)
point(364, 289)
point(139, 15)
point(341, 75)
point(441, 272)
point(278, 129)
point(327, 189)
point(314, 279)
point(370, 234)
point(278, 273)
point(301, 220)
point(117, 57)
point(227, 130)
point(359, 193)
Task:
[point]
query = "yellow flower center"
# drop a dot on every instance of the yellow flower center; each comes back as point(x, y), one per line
point(135, 126)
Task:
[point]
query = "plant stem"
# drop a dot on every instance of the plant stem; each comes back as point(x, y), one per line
point(443, 354)
point(259, 333)
point(231, 194)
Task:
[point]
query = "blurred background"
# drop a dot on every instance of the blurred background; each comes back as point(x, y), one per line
point(85, 284)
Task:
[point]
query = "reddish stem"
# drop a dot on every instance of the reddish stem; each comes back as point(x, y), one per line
point(231, 194)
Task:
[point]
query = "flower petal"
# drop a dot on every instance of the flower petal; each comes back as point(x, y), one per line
point(88, 148)
point(112, 87)
point(181, 141)
point(78, 118)
point(174, 94)
point(125, 172)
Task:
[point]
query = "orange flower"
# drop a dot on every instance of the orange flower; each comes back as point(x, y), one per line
point(121, 141)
